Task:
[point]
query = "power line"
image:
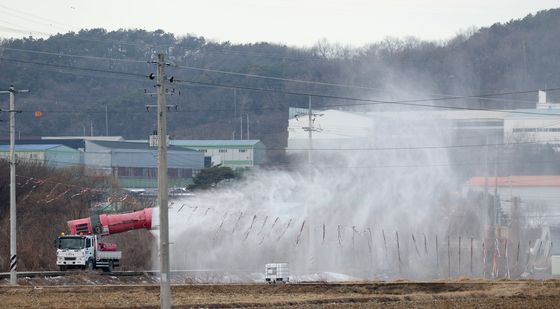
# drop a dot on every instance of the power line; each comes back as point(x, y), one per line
point(233, 52)
point(489, 96)
point(73, 67)
point(446, 97)
point(424, 147)
point(83, 74)
point(371, 101)
point(273, 78)
point(203, 49)
point(22, 31)
point(279, 108)
point(72, 55)
point(413, 103)
point(209, 49)
point(322, 166)
point(23, 13)
point(397, 166)
point(69, 164)
point(27, 21)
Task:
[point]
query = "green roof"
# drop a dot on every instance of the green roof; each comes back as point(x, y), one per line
point(216, 143)
point(133, 145)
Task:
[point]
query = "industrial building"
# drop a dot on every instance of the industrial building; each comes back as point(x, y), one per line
point(134, 164)
point(54, 155)
point(340, 128)
point(531, 125)
point(231, 153)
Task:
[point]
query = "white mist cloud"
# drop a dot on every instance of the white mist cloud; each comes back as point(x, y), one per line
point(330, 219)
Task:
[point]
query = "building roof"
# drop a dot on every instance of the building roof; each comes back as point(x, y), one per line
point(443, 114)
point(72, 143)
point(216, 143)
point(516, 181)
point(85, 138)
point(134, 145)
point(33, 147)
point(535, 113)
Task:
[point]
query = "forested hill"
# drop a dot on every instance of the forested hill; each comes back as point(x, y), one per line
point(73, 77)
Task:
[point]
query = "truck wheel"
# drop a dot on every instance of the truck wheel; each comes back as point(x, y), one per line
point(109, 268)
point(89, 265)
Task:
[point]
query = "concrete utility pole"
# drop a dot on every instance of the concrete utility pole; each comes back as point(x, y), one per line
point(248, 135)
point(497, 219)
point(234, 110)
point(240, 126)
point(165, 288)
point(310, 131)
point(485, 202)
point(106, 121)
point(13, 215)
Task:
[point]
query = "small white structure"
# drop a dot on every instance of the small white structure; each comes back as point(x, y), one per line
point(555, 261)
point(277, 272)
point(544, 104)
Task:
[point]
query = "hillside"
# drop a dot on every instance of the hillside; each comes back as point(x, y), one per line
point(518, 55)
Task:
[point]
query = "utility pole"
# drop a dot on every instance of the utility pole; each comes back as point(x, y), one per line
point(248, 136)
point(234, 110)
point(13, 215)
point(165, 288)
point(485, 199)
point(310, 131)
point(497, 219)
point(160, 139)
point(106, 121)
point(241, 126)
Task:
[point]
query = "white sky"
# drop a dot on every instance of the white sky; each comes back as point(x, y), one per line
point(292, 22)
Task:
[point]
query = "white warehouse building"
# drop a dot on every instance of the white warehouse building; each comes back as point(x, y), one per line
point(342, 128)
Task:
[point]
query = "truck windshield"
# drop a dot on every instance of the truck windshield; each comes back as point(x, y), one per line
point(71, 243)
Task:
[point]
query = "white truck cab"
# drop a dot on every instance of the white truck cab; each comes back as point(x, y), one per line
point(83, 251)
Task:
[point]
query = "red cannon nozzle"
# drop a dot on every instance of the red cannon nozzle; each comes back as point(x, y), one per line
point(112, 224)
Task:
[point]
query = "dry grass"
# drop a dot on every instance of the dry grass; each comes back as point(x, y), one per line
point(40, 222)
point(480, 294)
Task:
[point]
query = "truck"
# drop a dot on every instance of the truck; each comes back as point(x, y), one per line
point(83, 247)
point(85, 252)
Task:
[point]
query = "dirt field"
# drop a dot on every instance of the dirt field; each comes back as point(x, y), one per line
point(444, 294)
